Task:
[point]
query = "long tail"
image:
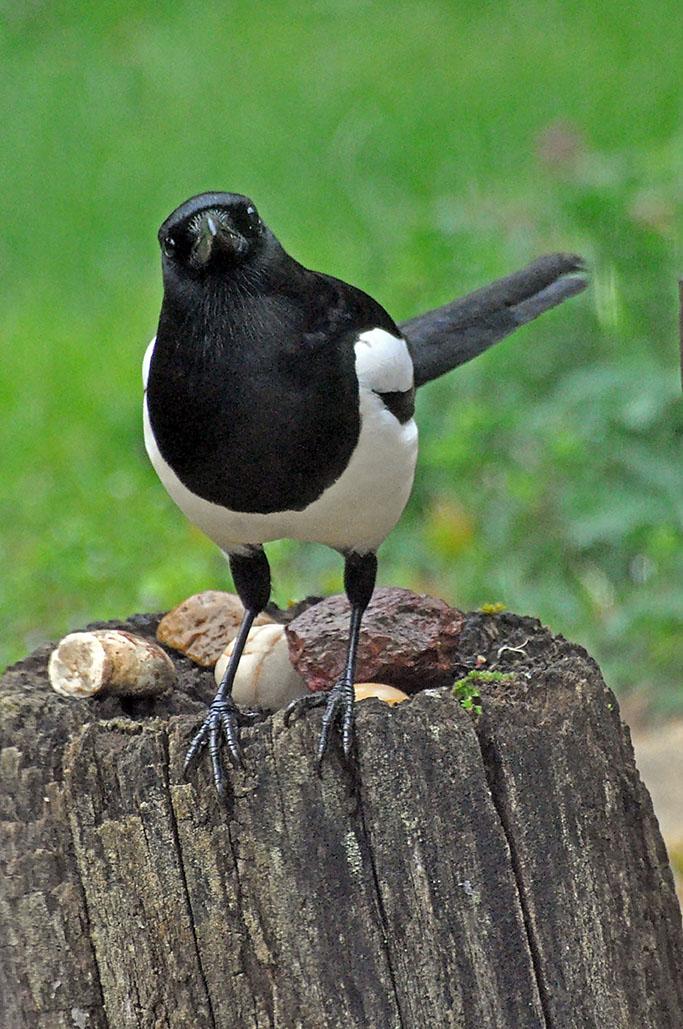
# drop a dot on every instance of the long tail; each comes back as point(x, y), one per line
point(446, 337)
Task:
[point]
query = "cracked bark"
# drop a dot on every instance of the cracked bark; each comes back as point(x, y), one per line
point(503, 871)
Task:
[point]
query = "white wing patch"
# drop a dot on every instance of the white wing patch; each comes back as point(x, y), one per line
point(146, 361)
point(383, 362)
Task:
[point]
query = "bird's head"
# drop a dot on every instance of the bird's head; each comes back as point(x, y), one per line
point(211, 233)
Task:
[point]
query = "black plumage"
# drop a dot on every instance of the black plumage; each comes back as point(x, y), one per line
point(279, 402)
point(252, 394)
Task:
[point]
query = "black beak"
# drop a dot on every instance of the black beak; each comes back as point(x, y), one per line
point(207, 230)
point(212, 233)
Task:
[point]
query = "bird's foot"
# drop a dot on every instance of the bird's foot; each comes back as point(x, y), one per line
point(224, 720)
point(339, 709)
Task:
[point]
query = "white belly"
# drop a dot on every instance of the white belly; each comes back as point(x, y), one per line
point(355, 513)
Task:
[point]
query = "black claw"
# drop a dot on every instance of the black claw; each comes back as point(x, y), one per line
point(251, 717)
point(231, 732)
point(224, 720)
point(332, 710)
point(198, 741)
point(214, 751)
point(347, 728)
point(301, 704)
point(338, 706)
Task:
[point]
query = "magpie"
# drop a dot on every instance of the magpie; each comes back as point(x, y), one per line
point(279, 403)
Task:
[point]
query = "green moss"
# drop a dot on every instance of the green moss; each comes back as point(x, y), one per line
point(467, 689)
point(493, 608)
point(479, 675)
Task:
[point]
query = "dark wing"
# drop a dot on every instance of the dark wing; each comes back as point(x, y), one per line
point(355, 320)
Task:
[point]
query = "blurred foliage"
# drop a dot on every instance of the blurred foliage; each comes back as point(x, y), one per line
point(419, 150)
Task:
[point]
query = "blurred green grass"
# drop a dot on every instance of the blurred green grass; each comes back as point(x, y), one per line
point(417, 150)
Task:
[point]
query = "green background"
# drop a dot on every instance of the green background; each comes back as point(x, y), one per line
point(418, 150)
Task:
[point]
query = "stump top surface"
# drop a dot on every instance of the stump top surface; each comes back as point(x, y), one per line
point(497, 870)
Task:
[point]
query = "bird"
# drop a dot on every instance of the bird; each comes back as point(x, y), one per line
point(279, 403)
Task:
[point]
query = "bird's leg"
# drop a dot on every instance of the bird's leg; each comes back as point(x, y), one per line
point(360, 571)
point(251, 575)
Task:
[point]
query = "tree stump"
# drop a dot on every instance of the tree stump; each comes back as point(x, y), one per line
point(495, 870)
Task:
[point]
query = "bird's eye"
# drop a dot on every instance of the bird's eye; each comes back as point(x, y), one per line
point(168, 246)
point(253, 217)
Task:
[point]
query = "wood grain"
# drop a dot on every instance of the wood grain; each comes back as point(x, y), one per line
point(499, 871)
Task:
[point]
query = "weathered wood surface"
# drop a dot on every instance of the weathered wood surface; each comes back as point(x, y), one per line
point(500, 871)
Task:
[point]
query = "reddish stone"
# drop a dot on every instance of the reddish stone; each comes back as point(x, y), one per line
point(408, 640)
